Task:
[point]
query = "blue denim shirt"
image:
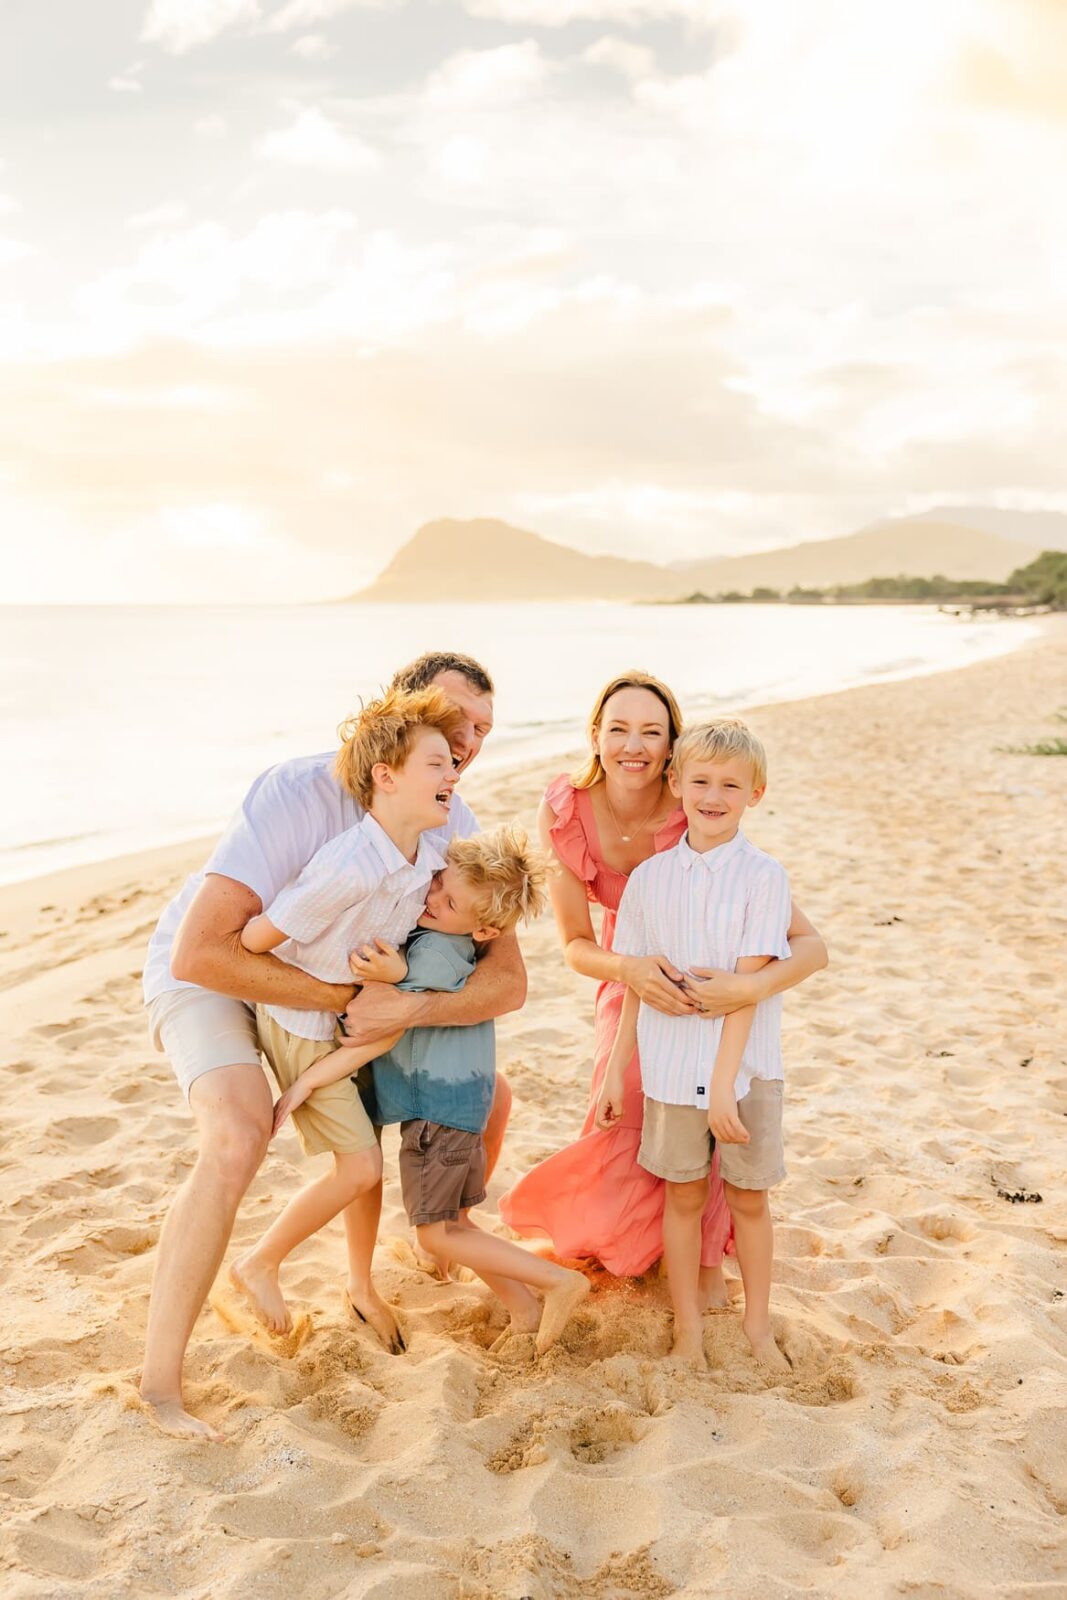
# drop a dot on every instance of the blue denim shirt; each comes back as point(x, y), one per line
point(444, 1075)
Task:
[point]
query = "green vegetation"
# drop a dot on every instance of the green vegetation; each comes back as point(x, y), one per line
point(1041, 583)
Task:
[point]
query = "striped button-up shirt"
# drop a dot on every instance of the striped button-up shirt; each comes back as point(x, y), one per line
point(359, 887)
point(705, 909)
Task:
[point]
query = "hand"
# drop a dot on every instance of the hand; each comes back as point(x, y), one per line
point(378, 963)
point(657, 983)
point(378, 1011)
point(290, 1100)
point(609, 1103)
point(723, 1120)
point(716, 993)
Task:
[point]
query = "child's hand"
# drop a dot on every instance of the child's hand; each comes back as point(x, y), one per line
point(609, 1104)
point(378, 963)
point(723, 1120)
point(290, 1100)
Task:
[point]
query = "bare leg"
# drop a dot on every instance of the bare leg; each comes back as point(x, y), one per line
point(489, 1256)
point(713, 1292)
point(524, 1308)
point(682, 1211)
point(232, 1107)
point(361, 1219)
point(754, 1242)
point(256, 1272)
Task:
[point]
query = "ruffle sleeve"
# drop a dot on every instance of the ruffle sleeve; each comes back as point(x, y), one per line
point(567, 833)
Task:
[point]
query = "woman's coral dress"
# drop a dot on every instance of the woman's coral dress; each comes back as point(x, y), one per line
point(592, 1199)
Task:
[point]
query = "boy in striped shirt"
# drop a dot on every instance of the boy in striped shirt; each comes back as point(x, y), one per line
point(714, 900)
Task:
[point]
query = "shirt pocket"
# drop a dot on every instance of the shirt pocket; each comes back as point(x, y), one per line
point(726, 926)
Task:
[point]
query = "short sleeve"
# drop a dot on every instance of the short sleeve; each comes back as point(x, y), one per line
point(567, 832)
point(462, 821)
point(767, 914)
point(274, 833)
point(334, 880)
point(631, 936)
point(434, 965)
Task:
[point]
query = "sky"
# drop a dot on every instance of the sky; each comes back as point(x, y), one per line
point(280, 280)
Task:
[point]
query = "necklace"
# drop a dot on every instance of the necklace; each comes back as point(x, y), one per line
point(626, 837)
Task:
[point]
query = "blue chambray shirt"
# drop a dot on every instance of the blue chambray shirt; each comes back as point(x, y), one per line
point(443, 1075)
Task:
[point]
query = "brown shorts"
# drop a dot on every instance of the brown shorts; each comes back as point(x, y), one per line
point(676, 1142)
point(442, 1171)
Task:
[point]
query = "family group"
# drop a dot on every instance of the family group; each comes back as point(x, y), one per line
point(355, 929)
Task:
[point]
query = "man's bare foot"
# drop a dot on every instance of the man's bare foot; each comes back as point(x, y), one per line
point(767, 1353)
point(261, 1289)
point(171, 1418)
point(560, 1305)
point(688, 1349)
point(714, 1295)
point(370, 1309)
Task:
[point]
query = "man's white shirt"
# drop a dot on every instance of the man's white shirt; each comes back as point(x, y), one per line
point(705, 909)
point(288, 814)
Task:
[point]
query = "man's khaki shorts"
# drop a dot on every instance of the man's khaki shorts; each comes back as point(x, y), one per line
point(332, 1118)
point(442, 1171)
point(677, 1144)
point(200, 1031)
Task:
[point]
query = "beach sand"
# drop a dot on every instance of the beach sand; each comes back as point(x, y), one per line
point(918, 1445)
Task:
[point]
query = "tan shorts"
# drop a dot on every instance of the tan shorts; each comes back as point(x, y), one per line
point(200, 1031)
point(677, 1144)
point(442, 1171)
point(332, 1118)
point(760, 1164)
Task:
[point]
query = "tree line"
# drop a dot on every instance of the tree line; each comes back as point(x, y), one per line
point(1041, 582)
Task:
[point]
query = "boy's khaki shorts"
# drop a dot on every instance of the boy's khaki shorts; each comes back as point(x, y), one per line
point(677, 1144)
point(332, 1118)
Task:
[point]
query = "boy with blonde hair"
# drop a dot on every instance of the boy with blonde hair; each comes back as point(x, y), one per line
point(714, 900)
point(362, 891)
point(438, 1082)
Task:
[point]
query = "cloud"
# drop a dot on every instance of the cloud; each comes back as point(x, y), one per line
point(181, 25)
point(558, 13)
point(304, 13)
point(124, 84)
point(213, 126)
point(162, 216)
point(313, 47)
point(12, 250)
point(632, 61)
point(312, 140)
point(478, 80)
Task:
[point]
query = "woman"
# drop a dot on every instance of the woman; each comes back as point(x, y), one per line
point(592, 1199)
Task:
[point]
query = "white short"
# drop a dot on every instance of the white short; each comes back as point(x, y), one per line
point(201, 1031)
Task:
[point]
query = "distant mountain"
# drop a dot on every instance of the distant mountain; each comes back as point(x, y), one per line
point(484, 559)
point(1040, 530)
point(919, 548)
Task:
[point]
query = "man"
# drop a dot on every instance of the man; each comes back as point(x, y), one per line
point(201, 987)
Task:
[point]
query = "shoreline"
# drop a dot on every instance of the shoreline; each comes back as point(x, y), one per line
point(921, 1246)
point(497, 770)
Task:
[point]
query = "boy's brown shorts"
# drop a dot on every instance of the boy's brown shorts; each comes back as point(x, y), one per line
point(442, 1171)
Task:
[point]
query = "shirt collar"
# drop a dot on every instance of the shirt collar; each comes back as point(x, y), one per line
point(428, 859)
point(711, 860)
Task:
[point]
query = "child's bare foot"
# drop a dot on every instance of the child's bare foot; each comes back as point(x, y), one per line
point(370, 1309)
point(560, 1305)
point(714, 1295)
point(766, 1352)
point(688, 1348)
point(260, 1287)
point(171, 1418)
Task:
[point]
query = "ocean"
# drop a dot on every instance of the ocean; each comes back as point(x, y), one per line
point(127, 727)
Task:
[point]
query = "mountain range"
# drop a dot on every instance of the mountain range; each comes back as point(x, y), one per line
point(489, 560)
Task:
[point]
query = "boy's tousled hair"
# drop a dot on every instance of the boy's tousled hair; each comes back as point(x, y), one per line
point(592, 771)
point(509, 877)
point(384, 730)
point(420, 673)
point(722, 739)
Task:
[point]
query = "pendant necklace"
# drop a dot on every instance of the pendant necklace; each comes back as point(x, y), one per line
point(626, 837)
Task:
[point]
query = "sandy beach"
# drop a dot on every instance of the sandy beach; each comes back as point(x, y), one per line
point(917, 1446)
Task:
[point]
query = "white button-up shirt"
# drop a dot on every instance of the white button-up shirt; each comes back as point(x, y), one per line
point(705, 909)
point(359, 887)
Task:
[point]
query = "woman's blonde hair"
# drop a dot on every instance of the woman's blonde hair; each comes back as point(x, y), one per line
point(508, 876)
point(592, 771)
point(384, 731)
